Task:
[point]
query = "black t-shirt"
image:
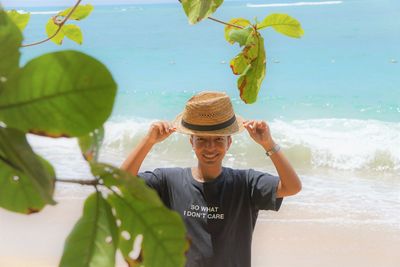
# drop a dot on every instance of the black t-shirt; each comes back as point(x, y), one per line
point(219, 215)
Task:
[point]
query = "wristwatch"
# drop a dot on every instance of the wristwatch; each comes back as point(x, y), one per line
point(273, 150)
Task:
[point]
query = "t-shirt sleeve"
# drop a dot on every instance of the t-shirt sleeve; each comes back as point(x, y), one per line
point(263, 187)
point(155, 179)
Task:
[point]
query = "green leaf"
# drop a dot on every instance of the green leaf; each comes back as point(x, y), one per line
point(239, 64)
point(81, 12)
point(18, 192)
point(21, 20)
point(94, 238)
point(197, 10)
point(240, 22)
point(116, 177)
point(163, 232)
point(90, 144)
point(10, 41)
point(141, 213)
point(58, 94)
point(51, 29)
point(26, 180)
point(241, 36)
point(249, 83)
point(284, 24)
point(73, 32)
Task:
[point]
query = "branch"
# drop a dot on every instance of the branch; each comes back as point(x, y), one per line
point(77, 181)
point(220, 21)
point(59, 24)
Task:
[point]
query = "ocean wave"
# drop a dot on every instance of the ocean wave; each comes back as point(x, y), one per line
point(296, 4)
point(343, 144)
point(319, 144)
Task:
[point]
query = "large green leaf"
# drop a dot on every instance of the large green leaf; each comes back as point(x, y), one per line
point(64, 93)
point(10, 41)
point(18, 191)
point(197, 10)
point(250, 63)
point(141, 213)
point(81, 12)
point(249, 83)
point(26, 180)
point(284, 24)
point(136, 187)
point(90, 144)
point(20, 19)
point(239, 22)
point(94, 238)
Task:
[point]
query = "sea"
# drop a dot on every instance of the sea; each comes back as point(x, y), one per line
point(331, 98)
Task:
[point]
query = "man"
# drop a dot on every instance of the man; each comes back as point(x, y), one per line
point(218, 205)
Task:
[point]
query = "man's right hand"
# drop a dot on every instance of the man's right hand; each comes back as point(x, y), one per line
point(159, 131)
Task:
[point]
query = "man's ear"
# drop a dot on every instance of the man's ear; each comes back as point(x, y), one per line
point(229, 142)
point(191, 140)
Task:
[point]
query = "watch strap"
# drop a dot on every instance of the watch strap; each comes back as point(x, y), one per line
point(273, 150)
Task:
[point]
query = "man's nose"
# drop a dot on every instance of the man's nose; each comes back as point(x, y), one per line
point(210, 144)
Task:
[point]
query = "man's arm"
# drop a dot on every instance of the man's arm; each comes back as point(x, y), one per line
point(289, 183)
point(158, 132)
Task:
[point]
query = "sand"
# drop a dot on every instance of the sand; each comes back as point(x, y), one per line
point(284, 239)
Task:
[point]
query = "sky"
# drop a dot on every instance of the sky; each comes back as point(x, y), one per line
point(19, 3)
point(29, 3)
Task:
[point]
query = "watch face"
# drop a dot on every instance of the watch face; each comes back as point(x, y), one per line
point(275, 149)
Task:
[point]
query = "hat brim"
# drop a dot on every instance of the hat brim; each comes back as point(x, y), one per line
point(234, 128)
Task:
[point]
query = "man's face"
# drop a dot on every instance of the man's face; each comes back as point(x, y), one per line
point(210, 150)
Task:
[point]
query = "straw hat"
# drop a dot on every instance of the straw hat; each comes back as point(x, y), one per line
point(209, 113)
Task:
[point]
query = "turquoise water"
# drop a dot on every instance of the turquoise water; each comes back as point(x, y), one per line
point(332, 98)
point(345, 66)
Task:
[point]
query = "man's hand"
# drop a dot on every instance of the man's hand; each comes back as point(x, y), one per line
point(259, 131)
point(159, 131)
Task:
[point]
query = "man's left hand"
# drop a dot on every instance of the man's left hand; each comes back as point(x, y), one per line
point(260, 133)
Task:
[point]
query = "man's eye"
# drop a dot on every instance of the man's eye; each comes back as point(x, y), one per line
point(220, 139)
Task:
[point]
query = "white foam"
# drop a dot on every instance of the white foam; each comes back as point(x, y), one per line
point(344, 144)
point(50, 12)
point(296, 4)
point(122, 133)
point(64, 154)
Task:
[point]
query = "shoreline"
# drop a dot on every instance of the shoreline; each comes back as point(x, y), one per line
point(280, 239)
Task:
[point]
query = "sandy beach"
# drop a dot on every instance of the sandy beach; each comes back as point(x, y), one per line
point(331, 99)
point(283, 239)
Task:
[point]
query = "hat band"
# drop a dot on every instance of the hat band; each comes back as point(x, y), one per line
point(204, 128)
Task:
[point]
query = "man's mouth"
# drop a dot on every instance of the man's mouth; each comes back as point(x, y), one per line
point(210, 156)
